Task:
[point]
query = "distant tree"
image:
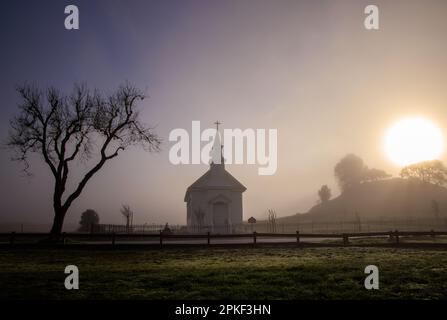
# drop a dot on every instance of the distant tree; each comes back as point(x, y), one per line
point(374, 174)
point(324, 194)
point(128, 215)
point(432, 171)
point(167, 229)
point(349, 171)
point(89, 218)
point(272, 220)
point(435, 208)
point(358, 220)
point(80, 126)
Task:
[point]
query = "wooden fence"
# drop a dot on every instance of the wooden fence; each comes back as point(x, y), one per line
point(304, 226)
point(250, 238)
point(139, 228)
point(348, 226)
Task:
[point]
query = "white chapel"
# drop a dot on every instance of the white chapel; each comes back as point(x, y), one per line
point(214, 201)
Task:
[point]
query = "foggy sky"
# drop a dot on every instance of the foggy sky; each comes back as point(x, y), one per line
point(306, 68)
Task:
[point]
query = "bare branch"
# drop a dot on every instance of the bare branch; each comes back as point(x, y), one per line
point(62, 129)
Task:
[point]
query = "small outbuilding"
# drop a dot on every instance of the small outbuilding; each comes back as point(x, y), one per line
point(251, 220)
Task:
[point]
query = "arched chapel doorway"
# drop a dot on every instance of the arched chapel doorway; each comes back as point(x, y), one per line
point(220, 217)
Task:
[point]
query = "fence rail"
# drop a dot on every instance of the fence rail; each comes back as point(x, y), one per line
point(305, 226)
point(161, 238)
point(317, 226)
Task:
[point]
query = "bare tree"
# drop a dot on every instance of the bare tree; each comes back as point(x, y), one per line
point(128, 215)
point(272, 220)
point(435, 208)
point(358, 220)
point(82, 125)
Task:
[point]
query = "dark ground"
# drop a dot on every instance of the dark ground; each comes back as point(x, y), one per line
point(225, 273)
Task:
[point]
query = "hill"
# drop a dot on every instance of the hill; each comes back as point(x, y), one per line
point(385, 199)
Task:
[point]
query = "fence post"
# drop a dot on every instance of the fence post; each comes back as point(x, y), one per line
point(12, 238)
point(345, 239)
point(396, 234)
point(208, 238)
point(254, 238)
point(297, 236)
point(113, 238)
point(161, 239)
point(63, 237)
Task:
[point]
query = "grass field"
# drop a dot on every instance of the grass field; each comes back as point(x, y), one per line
point(263, 273)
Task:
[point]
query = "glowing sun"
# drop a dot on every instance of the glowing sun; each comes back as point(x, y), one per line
point(413, 140)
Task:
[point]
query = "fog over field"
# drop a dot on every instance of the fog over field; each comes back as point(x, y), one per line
point(306, 68)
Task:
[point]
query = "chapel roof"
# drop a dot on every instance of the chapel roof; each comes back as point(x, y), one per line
point(216, 178)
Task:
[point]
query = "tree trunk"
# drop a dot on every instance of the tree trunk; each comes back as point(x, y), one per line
point(58, 222)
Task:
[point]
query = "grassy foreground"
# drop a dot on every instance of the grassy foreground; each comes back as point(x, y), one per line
point(263, 273)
